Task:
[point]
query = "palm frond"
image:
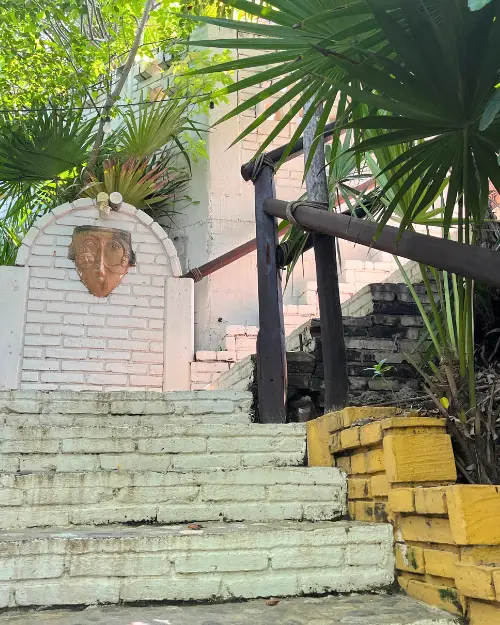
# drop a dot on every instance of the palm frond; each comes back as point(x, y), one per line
point(148, 129)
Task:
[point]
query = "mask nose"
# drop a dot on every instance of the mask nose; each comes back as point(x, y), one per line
point(99, 266)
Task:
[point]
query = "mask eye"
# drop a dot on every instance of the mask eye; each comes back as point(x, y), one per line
point(113, 246)
point(86, 259)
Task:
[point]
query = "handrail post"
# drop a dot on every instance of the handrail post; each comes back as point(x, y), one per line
point(271, 355)
point(330, 311)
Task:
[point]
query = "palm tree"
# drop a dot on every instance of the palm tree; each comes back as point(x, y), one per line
point(420, 80)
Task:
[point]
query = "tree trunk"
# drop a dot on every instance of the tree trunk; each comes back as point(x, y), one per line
point(115, 94)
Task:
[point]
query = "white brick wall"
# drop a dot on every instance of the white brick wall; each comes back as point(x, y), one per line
point(74, 340)
point(177, 564)
point(144, 448)
point(88, 496)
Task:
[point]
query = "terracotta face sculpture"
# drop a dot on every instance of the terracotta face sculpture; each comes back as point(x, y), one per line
point(102, 257)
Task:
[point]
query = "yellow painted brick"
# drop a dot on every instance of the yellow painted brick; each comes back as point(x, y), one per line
point(349, 438)
point(475, 581)
point(443, 597)
point(423, 529)
point(424, 457)
point(404, 579)
point(374, 512)
point(474, 512)
point(364, 511)
point(413, 422)
point(335, 421)
point(375, 461)
point(359, 488)
point(410, 558)
point(335, 445)
point(496, 582)
point(480, 555)
point(344, 463)
point(358, 463)
point(431, 500)
point(440, 581)
point(368, 462)
point(380, 512)
point(318, 438)
point(351, 509)
point(370, 433)
point(379, 485)
point(402, 500)
point(484, 613)
point(353, 414)
point(358, 512)
point(440, 563)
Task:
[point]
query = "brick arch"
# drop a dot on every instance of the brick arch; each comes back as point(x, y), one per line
point(75, 340)
point(86, 210)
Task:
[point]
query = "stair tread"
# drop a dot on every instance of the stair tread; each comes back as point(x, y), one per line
point(372, 532)
point(389, 609)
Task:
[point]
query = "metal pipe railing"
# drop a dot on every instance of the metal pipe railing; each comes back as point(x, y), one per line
point(276, 155)
point(480, 264)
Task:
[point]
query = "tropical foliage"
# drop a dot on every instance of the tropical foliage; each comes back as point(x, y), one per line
point(64, 67)
point(51, 48)
point(44, 162)
point(417, 80)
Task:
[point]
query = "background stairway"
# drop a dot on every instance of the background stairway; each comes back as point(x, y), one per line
point(98, 492)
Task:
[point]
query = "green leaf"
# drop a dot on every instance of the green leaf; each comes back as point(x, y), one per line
point(491, 110)
point(476, 5)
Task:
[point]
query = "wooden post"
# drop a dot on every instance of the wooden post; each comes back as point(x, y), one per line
point(271, 355)
point(332, 332)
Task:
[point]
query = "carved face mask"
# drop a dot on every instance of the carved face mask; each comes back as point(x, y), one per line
point(102, 257)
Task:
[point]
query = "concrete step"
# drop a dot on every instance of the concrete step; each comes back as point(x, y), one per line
point(351, 609)
point(86, 566)
point(155, 448)
point(135, 408)
point(97, 498)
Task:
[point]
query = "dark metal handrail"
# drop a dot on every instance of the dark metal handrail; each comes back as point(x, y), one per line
point(277, 154)
point(480, 264)
point(198, 273)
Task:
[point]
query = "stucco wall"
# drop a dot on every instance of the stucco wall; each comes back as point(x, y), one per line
point(71, 339)
point(13, 295)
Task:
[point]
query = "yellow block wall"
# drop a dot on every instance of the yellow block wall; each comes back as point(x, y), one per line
point(400, 468)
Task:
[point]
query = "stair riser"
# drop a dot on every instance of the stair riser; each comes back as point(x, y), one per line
point(187, 565)
point(197, 405)
point(156, 449)
point(118, 420)
point(42, 500)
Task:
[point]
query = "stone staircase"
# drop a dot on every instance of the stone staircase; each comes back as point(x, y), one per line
point(145, 496)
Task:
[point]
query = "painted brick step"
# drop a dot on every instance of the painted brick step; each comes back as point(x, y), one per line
point(136, 408)
point(155, 448)
point(221, 561)
point(264, 494)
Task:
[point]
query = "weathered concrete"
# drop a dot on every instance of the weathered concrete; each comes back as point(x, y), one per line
point(175, 563)
point(74, 448)
point(330, 610)
point(136, 408)
point(100, 497)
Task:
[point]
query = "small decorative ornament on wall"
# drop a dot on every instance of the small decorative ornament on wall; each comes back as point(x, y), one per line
point(102, 257)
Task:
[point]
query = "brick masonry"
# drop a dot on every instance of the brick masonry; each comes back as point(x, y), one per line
point(177, 564)
point(156, 448)
point(144, 494)
point(75, 340)
point(123, 408)
point(384, 324)
point(401, 468)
